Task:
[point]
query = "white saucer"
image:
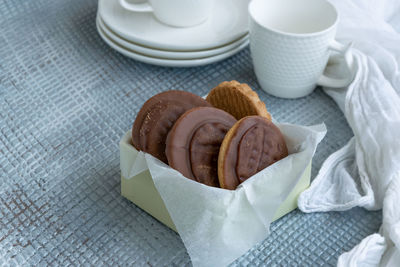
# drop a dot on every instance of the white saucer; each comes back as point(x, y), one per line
point(227, 22)
point(168, 62)
point(165, 53)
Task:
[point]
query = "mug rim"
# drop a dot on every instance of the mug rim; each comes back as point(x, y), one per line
point(304, 35)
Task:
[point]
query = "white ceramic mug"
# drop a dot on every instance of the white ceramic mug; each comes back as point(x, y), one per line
point(177, 13)
point(290, 44)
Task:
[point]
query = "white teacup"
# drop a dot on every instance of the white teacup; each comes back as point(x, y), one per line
point(177, 13)
point(290, 44)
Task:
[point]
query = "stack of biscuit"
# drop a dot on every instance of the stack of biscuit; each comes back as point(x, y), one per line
point(220, 141)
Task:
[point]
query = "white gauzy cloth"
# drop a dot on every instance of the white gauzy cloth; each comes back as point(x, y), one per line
point(366, 172)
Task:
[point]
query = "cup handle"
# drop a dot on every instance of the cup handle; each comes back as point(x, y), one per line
point(142, 7)
point(345, 52)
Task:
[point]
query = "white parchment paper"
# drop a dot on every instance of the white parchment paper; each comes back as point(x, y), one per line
point(217, 225)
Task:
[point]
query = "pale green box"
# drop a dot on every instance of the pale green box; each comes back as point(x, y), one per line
point(140, 189)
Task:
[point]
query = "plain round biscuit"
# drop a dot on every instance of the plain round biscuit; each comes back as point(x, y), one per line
point(237, 99)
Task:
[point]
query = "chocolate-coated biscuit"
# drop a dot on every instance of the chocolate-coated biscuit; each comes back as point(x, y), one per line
point(194, 141)
point(251, 145)
point(157, 116)
point(237, 99)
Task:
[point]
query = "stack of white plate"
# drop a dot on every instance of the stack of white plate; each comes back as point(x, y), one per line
point(142, 37)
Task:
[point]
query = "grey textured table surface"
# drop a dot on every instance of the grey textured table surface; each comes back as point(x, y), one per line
point(66, 98)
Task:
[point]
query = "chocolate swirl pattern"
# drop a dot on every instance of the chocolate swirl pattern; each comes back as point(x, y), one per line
point(156, 118)
point(251, 145)
point(194, 141)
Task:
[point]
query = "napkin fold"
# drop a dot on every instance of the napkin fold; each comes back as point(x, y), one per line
point(366, 171)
